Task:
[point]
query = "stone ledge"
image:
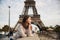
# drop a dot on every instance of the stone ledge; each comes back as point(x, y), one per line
point(35, 37)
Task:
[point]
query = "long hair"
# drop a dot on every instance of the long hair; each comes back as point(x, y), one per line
point(25, 18)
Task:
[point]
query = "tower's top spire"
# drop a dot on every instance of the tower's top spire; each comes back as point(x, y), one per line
point(29, 0)
point(29, 3)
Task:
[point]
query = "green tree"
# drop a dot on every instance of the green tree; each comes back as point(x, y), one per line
point(5, 28)
point(51, 27)
point(0, 30)
point(57, 28)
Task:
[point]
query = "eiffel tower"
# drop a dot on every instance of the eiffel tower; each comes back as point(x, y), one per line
point(35, 16)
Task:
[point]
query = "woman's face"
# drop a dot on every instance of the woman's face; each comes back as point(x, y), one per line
point(29, 20)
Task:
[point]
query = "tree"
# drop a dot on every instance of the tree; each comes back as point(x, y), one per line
point(51, 27)
point(5, 28)
point(0, 30)
point(57, 28)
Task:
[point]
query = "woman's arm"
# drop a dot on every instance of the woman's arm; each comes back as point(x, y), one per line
point(30, 27)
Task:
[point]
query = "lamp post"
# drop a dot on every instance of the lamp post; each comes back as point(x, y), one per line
point(9, 17)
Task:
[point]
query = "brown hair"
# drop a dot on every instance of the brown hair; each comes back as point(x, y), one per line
point(25, 18)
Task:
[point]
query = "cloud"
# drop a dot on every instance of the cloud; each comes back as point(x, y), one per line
point(48, 9)
point(15, 11)
point(41, 4)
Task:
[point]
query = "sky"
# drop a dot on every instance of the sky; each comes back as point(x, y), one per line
point(48, 9)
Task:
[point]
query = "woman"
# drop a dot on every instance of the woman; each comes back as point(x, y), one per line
point(27, 27)
point(24, 29)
